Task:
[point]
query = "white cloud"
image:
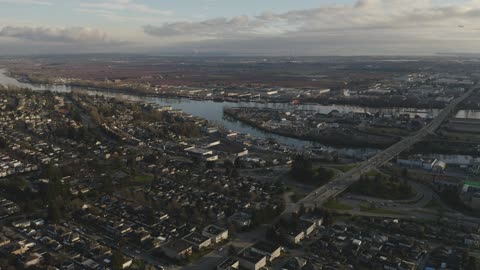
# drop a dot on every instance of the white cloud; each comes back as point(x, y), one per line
point(212, 28)
point(376, 26)
point(115, 16)
point(123, 5)
point(82, 35)
point(363, 27)
point(364, 14)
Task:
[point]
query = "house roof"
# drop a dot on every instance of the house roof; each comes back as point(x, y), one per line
point(196, 238)
point(212, 229)
point(178, 245)
point(266, 246)
point(227, 263)
point(472, 183)
point(250, 255)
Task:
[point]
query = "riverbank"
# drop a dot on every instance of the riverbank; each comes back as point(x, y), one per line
point(213, 111)
point(354, 139)
point(376, 102)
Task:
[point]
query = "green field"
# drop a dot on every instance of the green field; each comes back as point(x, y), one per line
point(336, 205)
point(344, 167)
point(374, 210)
point(142, 179)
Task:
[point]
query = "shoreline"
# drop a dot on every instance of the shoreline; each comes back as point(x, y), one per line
point(374, 104)
point(331, 140)
point(326, 142)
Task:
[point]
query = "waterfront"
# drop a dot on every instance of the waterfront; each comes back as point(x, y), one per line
point(213, 112)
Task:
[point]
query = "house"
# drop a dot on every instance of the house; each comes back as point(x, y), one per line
point(21, 224)
point(273, 92)
point(212, 144)
point(211, 130)
point(38, 222)
point(198, 241)
point(215, 233)
point(294, 264)
point(241, 219)
point(178, 249)
point(17, 249)
point(439, 166)
point(307, 226)
point(198, 152)
point(90, 264)
point(251, 260)
point(324, 91)
point(270, 250)
point(295, 237)
point(242, 153)
point(126, 262)
point(472, 240)
point(232, 135)
point(471, 194)
point(229, 264)
point(31, 260)
point(317, 220)
point(4, 240)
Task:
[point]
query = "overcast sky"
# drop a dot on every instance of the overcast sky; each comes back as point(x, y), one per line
point(246, 27)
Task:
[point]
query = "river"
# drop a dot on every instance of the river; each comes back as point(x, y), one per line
point(213, 112)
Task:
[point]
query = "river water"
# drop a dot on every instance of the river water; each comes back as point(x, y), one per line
point(213, 112)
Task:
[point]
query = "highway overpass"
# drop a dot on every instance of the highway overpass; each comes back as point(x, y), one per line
point(342, 182)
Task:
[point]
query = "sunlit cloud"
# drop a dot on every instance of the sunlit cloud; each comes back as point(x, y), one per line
point(124, 6)
point(83, 35)
point(358, 27)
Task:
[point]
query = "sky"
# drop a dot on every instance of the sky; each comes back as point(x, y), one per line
point(246, 27)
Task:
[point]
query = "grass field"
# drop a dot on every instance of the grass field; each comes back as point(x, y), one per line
point(296, 196)
point(374, 210)
point(436, 205)
point(336, 205)
point(344, 167)
point(142, 179)
point(388, 131)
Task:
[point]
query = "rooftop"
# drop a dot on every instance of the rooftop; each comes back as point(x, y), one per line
point(212, 229)
point(178, 245)
point(472, 183)
point(265, 246)
point(249, 255)
point(227, 263)
point(196, 238)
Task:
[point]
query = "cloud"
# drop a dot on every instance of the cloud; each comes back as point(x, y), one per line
point(209, 28)
point(123, 5)
point(375, 26)
point(83, 35)
point(119, 17)
point(361, 27)
point(364, 14)
point(29, 2)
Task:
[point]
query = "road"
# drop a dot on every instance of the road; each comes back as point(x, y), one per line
point(342, 182)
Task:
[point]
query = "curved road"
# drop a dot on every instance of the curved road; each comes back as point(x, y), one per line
point(341, 183)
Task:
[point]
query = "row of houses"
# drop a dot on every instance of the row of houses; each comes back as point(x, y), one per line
point(255, 257)
point(36, 244)
point(180, 249)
